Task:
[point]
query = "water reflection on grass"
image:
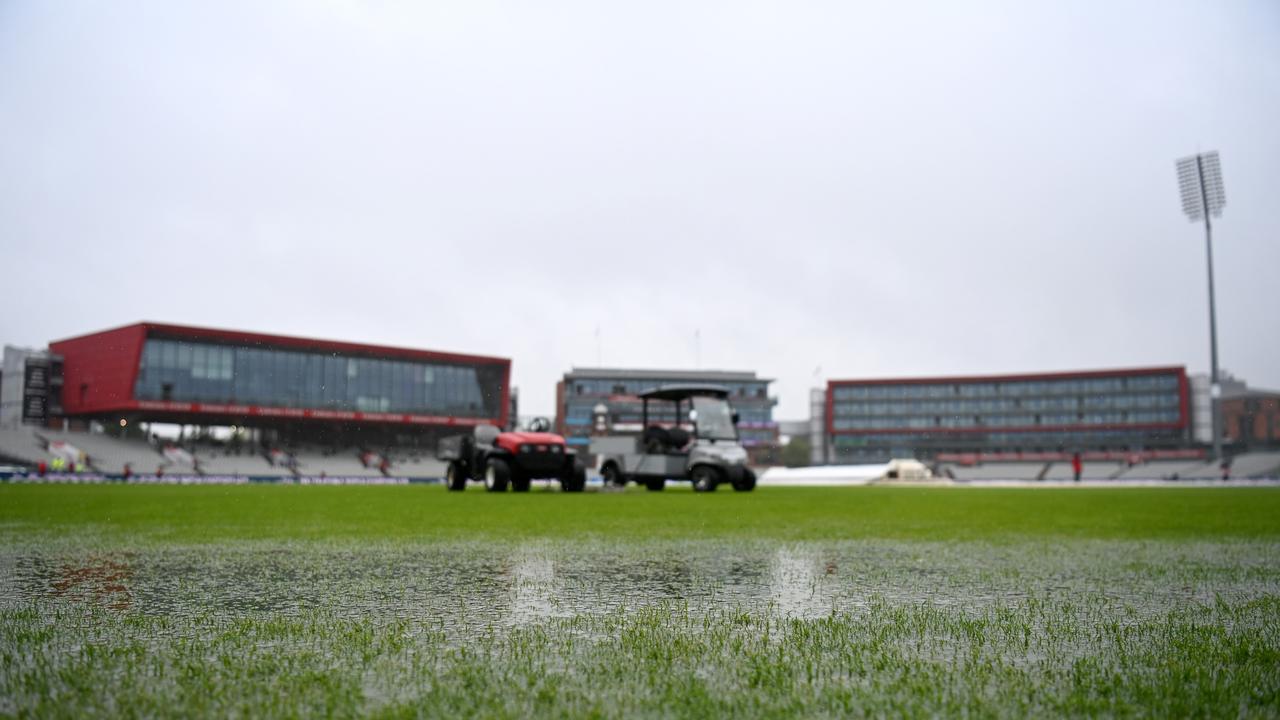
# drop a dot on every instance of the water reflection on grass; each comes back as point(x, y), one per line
point(620, 629)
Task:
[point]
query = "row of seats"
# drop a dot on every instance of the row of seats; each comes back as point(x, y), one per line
point(1247, 466)
point(1160, 470)
point(109, 455)
point(995, 471)
point(105, 454)
point(247, 463)
point(1088, 471)
point(21, 444)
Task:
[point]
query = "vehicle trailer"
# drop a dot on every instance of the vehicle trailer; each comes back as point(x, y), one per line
point(708, 455)
point(509, 459)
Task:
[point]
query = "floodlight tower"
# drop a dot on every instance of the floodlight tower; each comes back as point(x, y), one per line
point(1200, 179)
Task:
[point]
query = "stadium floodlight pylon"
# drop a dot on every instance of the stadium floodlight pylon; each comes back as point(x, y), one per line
point(1200, 180)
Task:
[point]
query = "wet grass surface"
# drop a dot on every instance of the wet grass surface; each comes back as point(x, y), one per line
point(244, 601)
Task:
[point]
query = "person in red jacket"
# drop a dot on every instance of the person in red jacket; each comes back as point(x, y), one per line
point(1076, 466)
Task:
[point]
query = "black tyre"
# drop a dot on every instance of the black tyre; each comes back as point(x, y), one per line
point(497, 475)
point(746, 483)
point(705, 478)
point(455, 479)
point(655, 484)
point(613, 478)
point(575, 480)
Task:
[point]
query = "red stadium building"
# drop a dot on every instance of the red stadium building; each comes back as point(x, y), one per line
point(1009, 416)
point(317, 389)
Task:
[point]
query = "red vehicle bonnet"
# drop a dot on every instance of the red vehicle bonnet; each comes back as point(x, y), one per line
point(511, 441)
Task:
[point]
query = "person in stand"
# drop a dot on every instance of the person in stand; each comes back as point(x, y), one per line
point(42, 468)
point(1076, 466)
point(128, 472)
point(1226, 469)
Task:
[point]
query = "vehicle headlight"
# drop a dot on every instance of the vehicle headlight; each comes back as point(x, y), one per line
point(556, 449)
point(525, 449)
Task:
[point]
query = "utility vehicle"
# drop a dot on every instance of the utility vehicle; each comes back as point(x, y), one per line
point(510, 459)
point(689, 433)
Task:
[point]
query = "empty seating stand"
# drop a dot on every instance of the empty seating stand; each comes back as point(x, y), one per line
point(1257, 465)
point(1090, 470)
point(998, 471)
point(1159, 470)
point(20, 444)
point(105, 454)
point(226, 462)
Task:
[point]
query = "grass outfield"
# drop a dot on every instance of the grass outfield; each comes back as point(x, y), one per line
point(218, 513)
point(165, 601)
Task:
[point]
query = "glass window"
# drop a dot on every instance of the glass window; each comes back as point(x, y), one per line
point(407, 391)
point(286, 378)
point(199, 362)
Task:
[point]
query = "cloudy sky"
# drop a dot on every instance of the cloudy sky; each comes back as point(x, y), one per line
point(815, 190)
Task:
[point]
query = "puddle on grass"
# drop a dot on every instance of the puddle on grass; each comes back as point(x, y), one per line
point(535, 591)
point(462, 587)
point(427, 623)
point(796, 585)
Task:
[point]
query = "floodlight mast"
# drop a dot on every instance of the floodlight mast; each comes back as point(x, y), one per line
point(1200, 178)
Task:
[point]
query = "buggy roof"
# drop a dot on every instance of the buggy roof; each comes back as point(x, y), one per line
point(682, 392)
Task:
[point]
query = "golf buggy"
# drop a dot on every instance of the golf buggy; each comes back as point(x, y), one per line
point(689, 433)
point(510, 459)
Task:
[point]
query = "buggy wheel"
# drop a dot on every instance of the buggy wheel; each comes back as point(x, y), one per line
point(612, 477)
point(705, 478)
point(454, 478)
point(497, 475)
point(575, 480)
point(747, 482)
point(655, 484)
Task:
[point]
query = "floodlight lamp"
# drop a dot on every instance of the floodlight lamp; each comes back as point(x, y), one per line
point(1200, 183)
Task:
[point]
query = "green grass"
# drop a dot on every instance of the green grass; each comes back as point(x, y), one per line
point(661, 660)
point(217, 513)
point(256, 601)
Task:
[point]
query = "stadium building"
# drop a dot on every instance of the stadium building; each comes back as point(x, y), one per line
point(1006, 416)
point(302, 387)
point(300, 404)
point(585, 393)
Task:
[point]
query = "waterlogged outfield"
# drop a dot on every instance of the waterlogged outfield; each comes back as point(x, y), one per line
point(404, 602)
point(215, 514)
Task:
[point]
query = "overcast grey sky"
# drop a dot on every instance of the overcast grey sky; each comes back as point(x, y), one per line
point(822, 190)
